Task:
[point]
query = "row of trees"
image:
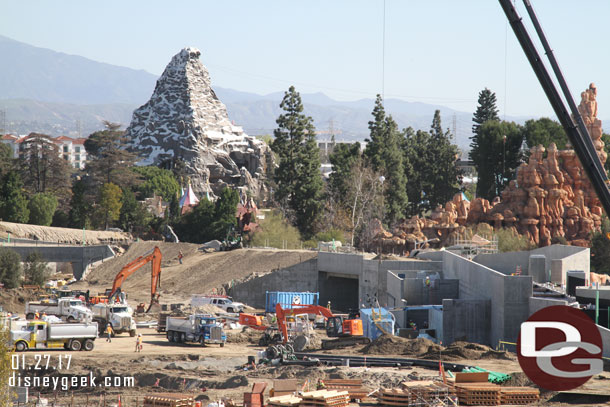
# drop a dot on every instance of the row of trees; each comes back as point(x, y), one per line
point(399, 173)
point(33, 271)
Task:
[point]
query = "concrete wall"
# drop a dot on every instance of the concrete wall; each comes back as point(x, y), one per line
point(559, 257)
point(536, 304)
point(466, 320)
point(417, 293)
point(79, 256)
point(435, 321)
point(509, 296)
point(299, 277)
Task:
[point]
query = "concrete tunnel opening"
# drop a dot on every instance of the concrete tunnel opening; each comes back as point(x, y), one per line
point(340, 289)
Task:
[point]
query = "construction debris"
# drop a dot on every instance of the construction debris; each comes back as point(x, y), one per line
point(325, 398)
point(169, 400)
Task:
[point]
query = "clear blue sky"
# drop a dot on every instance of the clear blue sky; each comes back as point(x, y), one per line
point(437, 51)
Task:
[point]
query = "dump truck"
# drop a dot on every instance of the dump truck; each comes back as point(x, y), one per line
point(49, 335)
point(70, 309)
point(118, 315)
point(200, 328)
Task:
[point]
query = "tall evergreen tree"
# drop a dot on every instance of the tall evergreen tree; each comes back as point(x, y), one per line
point(342, 159)
point(298, 178)
point(497, 157)
point(80, 207)
point(384, 152)
point(486, 111)
point(544, 131)
point(13, 203)
point(442, 174)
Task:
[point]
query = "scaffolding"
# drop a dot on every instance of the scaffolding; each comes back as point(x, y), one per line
point(470, 248)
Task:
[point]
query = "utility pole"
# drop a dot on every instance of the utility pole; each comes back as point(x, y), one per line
point(454, 135)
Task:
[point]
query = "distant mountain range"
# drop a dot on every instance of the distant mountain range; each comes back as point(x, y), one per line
point(52, 92)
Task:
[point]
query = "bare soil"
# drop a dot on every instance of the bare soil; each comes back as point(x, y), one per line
point(199, 273)
point(62, 235)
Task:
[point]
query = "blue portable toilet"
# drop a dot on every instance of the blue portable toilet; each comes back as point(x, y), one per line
point(376, 321)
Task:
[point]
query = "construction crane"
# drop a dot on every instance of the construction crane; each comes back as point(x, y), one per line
point(155, 258)
point(348, 332)
point(573, 124)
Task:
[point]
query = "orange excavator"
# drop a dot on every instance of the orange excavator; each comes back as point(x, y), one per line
point(155, 258)
point(347, 331)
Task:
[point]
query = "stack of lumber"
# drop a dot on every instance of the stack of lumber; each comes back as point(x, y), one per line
point(519, 395)
point(325, 398)
point(169, 400)
point(415, 393)
point(284, 401)
point(478, 394)
point(353, 387)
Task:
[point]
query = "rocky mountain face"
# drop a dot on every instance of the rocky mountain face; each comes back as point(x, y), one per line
point(185, 121)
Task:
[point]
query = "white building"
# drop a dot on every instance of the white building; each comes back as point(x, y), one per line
point(70, 149)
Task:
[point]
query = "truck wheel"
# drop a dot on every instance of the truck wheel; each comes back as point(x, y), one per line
point(75, 345)
point(202, 341)
point(229, 309)
point(170, 336)
point(71, 319)
point(182, 337)
point(88, 345)
point(29, 316)
point(222, 345)
point(132, 333)
point(21, 346)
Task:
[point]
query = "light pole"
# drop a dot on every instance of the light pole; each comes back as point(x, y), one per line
point(503, 157)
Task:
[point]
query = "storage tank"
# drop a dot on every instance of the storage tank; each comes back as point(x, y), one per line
point(287, 298)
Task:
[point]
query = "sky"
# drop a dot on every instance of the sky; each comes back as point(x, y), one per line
point(436, 51)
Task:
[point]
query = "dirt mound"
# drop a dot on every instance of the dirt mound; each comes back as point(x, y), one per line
point(13, 300)
point(62, 235)
point(199, 273)
point(244, 335)
point(395, 345)
point(471, 351)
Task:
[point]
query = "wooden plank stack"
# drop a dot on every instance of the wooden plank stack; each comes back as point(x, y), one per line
point(415, 393)
point(169, 400)
point(325, 398)
point(478, 394)
point(519, 395)
point(284, 401)
point(353, 387)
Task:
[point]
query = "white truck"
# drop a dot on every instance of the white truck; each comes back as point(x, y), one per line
point(70, 309)
point(200, 328)
point(49, 335)
point(118, 315)
point(221, 301)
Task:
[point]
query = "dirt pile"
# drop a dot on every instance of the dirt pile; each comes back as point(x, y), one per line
point(244, 335)
point(199, 273)
point(395, 345)
point(13, 300)
point(426, 349)
point(62, 235)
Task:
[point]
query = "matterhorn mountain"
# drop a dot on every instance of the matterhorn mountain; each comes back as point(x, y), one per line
point(185, 121)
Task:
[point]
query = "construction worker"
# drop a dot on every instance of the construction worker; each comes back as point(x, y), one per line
point(427, 281)
point(320, 385)
point(180, 256)
point(36, 315)
point(328, 305)
point(139, 343)
point(108, 331)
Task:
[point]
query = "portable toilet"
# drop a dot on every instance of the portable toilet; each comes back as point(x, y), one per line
point(376, 322)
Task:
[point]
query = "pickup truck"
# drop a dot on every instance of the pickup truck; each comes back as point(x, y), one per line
point(70, 309)
point(49, 335)
point(200, 328)
point(118, 315)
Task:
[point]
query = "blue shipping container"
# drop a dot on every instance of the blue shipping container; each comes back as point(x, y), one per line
point(287, 298)
point(375, 321)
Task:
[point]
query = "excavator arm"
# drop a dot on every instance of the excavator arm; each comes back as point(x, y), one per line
point(281, 314)
point(154, 257)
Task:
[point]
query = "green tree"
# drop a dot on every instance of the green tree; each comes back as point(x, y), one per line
point(6, 370)
point(110, 202)
point(42, 168)
point(196, 225)
point(80, 208)
point(13, 203)
point(225, 210)
point(157, 181)
point(42, 207)
point(10, 268)
point(109, 159)
point(342, 159)
point(35, 269)
point(600, 249)
point(298, 178)
point(486, 110)
point(133, 214)
point(6, 158)
point(442, 175)
point(497, 156)
point(385, 154)
point(544, 131)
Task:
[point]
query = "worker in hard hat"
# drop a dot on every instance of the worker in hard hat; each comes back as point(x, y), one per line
point(108, 331)
point(36, 315)
point(139, 343)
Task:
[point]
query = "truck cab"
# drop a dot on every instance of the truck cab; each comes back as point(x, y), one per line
point(70, 309)
point(202, 328)
point(118, 315)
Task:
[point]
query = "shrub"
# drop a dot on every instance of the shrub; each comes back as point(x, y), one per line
point(275, 231)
